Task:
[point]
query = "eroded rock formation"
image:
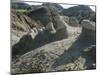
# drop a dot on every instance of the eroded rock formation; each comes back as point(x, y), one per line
point(52, 45)
point(88, 31)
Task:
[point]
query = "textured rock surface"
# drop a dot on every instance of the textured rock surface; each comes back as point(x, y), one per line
point(90, 25)
point(53, 45)
point(73, 21)
point(21, 24)
point(65, 55)
point(33, 31)
point(88, 31)
point(51, 53)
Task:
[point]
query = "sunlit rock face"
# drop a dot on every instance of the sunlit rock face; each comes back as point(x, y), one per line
point(88, 25)
point(88, 31)
point(61, 28)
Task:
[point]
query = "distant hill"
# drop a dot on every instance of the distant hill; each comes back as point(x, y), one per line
point(76, 10)
point(20, 5)
point(80, 12)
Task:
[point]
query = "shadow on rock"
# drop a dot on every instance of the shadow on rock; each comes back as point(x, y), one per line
point(76, 53)
point(27, 43)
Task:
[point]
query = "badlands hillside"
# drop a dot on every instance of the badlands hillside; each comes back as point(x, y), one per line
point(45, 39)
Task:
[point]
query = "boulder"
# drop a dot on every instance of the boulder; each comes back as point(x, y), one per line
point(61, 28)
point(90, 25)
point(88, 31)
point(50, 28)
point(40, 14)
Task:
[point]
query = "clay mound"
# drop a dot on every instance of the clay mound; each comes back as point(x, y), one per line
point(28, 42)
point(88, 31)
point(90, 25)
point(40, 14)
point(52, 31)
